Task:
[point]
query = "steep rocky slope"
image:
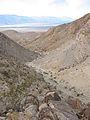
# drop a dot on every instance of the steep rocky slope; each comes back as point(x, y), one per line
point(71, 53)
point(59, 35)
point(66, 50)
point(12, 49)
point(15, 80)
point(22, 92)
point(67, 46)
point(25, 95)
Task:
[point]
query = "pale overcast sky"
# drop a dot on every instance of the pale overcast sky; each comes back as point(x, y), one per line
point(55, 8)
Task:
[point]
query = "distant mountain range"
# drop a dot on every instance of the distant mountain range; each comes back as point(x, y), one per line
point(16, 20)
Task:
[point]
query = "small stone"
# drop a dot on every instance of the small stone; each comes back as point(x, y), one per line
point(52, 96)
point(31, 110)
point(46, 113)
point(74, 103)
point(2, 118)
point(31, 99)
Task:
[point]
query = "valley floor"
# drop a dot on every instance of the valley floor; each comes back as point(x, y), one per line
point(67, 82)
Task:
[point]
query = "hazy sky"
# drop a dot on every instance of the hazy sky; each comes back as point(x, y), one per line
point(57, 8)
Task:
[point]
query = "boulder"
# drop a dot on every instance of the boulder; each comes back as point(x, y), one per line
point(50, 95)
point(63, 110)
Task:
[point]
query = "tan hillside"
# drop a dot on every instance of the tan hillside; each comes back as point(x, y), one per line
point(22, 38)
point(57, 36)
point(66, 51)
point(71, 47)
point(12, 49)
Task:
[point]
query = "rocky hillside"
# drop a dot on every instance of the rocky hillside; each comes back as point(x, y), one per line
point(25, 95)
point(65, 46)
point(22, 38)
point(66, 50)
point(16, 82)
point(57, 36)
point(12, 49)
point(55, 86)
